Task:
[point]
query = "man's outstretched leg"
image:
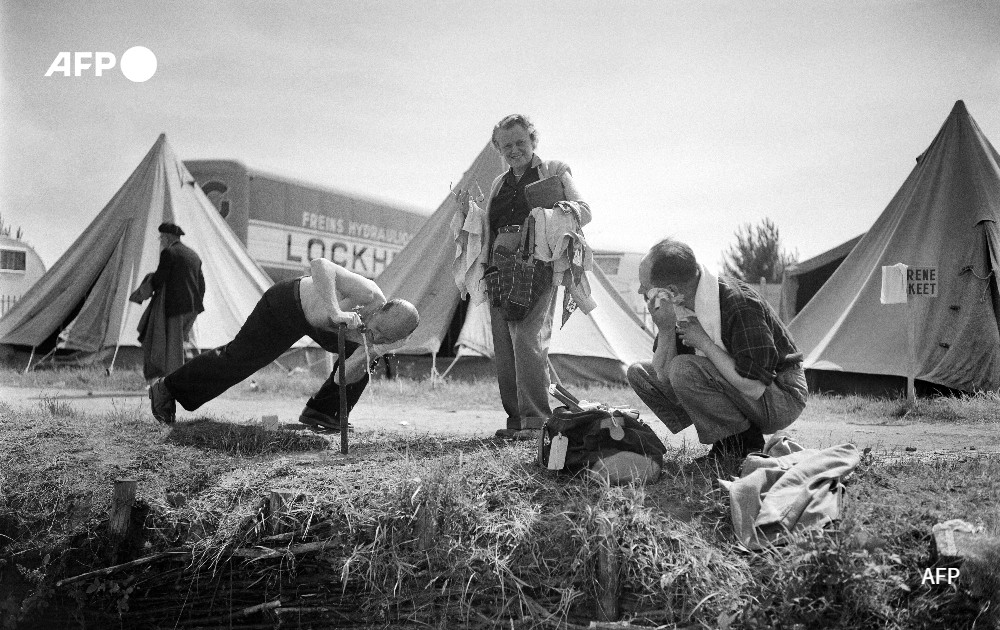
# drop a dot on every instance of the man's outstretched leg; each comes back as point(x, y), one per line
point(274, 325)
point(323, 408)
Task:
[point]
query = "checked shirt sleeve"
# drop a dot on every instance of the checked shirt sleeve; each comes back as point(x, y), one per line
point(751, 342)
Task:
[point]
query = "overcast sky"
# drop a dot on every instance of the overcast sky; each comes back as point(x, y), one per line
point(678, 118)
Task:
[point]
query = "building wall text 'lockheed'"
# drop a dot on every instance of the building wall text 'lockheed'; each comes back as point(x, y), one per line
point(278, 246)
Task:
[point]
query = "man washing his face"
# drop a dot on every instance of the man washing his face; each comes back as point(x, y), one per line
point(722, 360)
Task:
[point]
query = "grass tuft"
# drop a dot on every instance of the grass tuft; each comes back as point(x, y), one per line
point(55, 408)
point(242, 440)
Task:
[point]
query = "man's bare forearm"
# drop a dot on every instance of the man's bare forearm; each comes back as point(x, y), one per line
point(666, 350)
point(349, 285)
point(324, 277)
point(724, 362)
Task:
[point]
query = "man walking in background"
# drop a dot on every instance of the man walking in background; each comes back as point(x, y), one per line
point(178, 290)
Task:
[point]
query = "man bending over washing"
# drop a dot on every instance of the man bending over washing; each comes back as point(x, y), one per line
point(313, 306)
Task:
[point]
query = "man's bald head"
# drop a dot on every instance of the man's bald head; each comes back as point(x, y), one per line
point(396, 320)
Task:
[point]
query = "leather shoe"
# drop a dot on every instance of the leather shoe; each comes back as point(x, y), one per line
point(735, 447)
point(162, 402)
point(315, 418)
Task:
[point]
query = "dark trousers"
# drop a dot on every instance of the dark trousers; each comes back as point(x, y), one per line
point(275, 324)
point(521, 357)
point(697, 393)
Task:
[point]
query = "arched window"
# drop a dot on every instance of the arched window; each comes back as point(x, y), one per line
point(216, 191)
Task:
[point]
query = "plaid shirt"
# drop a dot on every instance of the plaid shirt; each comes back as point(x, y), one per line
point(752, 333)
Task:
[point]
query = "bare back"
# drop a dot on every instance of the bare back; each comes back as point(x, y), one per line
point(315, 309)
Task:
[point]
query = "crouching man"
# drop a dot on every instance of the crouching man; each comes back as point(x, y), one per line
point(312, 306)
point(722, 361)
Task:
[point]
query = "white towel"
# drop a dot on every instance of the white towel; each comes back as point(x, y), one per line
point(707, 309)
point(471, 252)
point(556, 230)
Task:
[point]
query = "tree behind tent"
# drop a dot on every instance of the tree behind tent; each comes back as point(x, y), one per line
point(757, 254)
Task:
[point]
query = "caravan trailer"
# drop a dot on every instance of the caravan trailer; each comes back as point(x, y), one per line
point(285, 223)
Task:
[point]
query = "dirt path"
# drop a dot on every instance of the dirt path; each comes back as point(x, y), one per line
point(814, 429)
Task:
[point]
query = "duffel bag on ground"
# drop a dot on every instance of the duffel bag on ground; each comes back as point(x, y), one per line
point(611, 443)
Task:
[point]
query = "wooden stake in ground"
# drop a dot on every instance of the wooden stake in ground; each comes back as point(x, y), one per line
point(279, 503)
point(122, 499)
point(607, 571)
point(911, 339)
point(896, 290)
point(341, 352)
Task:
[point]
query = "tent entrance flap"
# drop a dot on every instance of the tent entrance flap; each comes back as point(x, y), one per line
point(992, 234)
point(100, 320)
point(128, 303)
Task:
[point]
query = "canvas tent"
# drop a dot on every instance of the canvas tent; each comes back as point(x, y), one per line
point(81, 304)
point(943, 217)
point(596, 346)
point(801, 281)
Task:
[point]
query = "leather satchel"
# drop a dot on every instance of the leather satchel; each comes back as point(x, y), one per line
point(594, 434)
point(515, 280)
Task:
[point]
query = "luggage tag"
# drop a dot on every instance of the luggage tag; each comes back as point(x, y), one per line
point(615, 430)
point(557, 452)
point(626, 412)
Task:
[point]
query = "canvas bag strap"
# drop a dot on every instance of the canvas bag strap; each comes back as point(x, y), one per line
point(528, 238)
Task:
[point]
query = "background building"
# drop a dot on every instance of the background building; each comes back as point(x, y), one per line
point(20, 267)
point(285, 223)
point(622, 269)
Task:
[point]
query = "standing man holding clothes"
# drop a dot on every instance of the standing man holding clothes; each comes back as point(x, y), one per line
point(522, 347)
point(722, 361)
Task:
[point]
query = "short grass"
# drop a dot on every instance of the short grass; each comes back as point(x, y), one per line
point(74, 378)
point(276, 382)
point(979, 408)
point(445, 531)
